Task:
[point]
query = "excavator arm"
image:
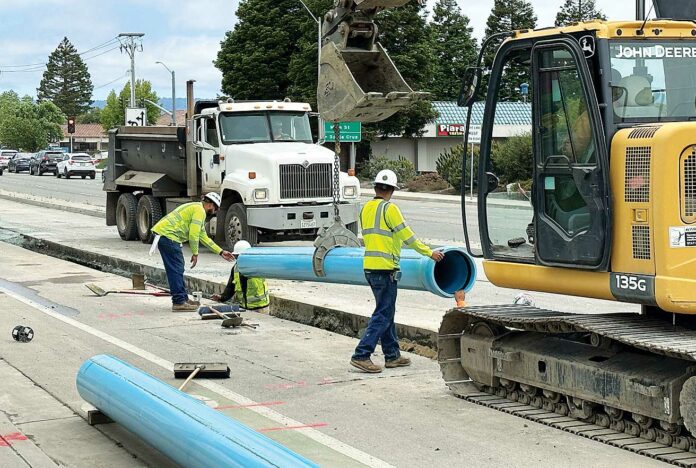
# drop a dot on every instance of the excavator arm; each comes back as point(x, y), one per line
point(358, 80)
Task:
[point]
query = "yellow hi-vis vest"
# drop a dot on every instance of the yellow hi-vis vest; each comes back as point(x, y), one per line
point(256, 292)
point(384, 231)
point(186, 223)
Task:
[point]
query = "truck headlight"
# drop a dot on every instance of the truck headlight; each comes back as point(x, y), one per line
point(349, 191)
point(260, 194)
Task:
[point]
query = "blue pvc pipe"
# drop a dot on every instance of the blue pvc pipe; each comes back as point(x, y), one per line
point(344, 265)
point(181, 427)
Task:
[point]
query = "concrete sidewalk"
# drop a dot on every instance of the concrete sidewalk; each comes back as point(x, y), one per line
point(340, 308)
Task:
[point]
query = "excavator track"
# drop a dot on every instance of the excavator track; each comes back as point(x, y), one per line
point(482, 349)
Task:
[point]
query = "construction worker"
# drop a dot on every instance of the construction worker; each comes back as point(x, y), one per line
point(249, 293)
point(185, 223)
point(384, 230)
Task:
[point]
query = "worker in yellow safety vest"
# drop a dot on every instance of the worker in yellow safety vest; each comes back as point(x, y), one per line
point(249, 293)
point(384, 231)
point(185, 223)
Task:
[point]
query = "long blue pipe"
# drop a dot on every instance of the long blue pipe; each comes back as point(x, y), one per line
point(181, 427)
point(344, 265)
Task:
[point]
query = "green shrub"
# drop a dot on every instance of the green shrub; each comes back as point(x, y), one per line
point(403, 168)
point(427, 182)
point(449, 166)
point(513, 159)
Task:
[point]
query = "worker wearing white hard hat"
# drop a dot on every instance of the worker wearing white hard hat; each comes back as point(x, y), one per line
point(185, 224)
point(249, 293)
point(384, 230)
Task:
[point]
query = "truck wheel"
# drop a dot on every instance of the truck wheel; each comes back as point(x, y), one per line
point(149, 213)
point(236, 227)
point(126, 209)
point(353, 227)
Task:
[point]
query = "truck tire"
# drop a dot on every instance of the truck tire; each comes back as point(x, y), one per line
point(149, 213)
point(126, 210)
point(236, 227)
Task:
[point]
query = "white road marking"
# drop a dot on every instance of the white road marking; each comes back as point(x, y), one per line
point(328, 441)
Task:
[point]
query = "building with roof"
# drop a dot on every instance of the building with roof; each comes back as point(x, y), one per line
point(166, 119)
point(447, 131)
point(88, 138)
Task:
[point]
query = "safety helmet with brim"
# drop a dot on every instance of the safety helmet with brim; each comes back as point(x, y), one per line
point(386, 177)
point(213, 198)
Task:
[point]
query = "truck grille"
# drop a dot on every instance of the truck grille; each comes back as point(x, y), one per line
point(314, 181)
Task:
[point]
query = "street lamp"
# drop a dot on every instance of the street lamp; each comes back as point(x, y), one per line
point(318, 21)
point(173, 93)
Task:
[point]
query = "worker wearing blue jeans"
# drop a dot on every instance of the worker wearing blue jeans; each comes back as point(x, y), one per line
point(173, 259)
point(381, 326)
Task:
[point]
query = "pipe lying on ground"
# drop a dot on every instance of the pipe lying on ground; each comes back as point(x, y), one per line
point(181, 427)
point(344, 265)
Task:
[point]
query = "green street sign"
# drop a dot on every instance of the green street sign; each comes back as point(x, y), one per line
point(349, 132)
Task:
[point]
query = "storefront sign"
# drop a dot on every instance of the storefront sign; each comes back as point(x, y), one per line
point(451, 130)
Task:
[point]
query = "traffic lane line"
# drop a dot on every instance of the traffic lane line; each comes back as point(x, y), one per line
point(284, 421)
point(286, 428)
point(266, 403)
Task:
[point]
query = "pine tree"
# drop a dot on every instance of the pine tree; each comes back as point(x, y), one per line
point(455, 48)
point(575, 11)
point(509, 15)
point(66, 81)
point(254, 57)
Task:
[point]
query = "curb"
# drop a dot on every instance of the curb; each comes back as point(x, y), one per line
point(56, 206)
point(413, 339)
point(400, 196)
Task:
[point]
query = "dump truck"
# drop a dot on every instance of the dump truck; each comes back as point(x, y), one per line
point(275, 183)
point(612, 215)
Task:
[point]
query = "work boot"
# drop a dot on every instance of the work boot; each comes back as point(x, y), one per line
point(401, 361)
point(366, 365)
point(185, 307)
point(192, 302)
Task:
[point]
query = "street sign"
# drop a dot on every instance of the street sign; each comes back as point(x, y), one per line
point(136, 117)
point(475, 134)
point(349, 131)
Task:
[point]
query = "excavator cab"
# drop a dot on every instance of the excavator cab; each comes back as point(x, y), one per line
point(358, 80)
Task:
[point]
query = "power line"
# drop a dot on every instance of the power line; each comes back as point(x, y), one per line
point(112, 81)
point(111, 41)
point(32, 67)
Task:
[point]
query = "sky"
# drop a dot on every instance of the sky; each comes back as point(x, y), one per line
point(184, 34)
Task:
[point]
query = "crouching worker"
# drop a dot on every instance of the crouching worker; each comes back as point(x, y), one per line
point(185, 223)
point(249, 293)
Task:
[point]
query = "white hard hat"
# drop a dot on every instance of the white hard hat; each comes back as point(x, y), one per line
point(214, 197)
point(241, 246)
point(386, 177)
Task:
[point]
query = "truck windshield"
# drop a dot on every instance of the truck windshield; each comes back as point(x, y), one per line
point(263, 127)
point(653, 80)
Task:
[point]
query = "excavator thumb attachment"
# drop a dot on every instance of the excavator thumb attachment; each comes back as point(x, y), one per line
point(358, 80)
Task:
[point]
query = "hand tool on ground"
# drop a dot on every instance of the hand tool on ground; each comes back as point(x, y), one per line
point(227, 321)
point(101, 292)
point(191, 370)
point(156, 287)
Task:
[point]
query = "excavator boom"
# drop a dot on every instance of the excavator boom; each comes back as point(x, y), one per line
point(358, 80)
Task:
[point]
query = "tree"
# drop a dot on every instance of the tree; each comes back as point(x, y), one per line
point(92, 116)
point(575, 11)
point(66, 81)
point(26, 125)
point(455, 49)
point(509, 15)
point(114, 112)
point(404, 33)
point(254, 58)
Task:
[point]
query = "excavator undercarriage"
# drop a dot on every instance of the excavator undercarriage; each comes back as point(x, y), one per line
point(620, 378)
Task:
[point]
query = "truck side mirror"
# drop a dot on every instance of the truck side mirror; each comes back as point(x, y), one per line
point(216, 159)
point(467, 93)
point(203, 145)
point(181, 135)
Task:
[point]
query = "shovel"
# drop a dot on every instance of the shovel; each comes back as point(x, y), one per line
point(101, 292)
point(227, 321)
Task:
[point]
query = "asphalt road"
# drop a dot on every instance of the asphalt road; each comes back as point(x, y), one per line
point(435, 222)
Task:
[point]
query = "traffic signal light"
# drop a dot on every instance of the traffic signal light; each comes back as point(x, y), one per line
point(71, 124)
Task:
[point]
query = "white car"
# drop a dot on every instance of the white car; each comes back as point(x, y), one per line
point(5, 156)
point(76, 164)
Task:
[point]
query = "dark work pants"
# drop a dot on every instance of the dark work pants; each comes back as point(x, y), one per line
point(173, 259)
point(381, 326)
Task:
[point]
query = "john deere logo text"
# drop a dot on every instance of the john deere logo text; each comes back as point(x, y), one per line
point(655, 51)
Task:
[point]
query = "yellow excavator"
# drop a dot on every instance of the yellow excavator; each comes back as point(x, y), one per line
point(612, 215)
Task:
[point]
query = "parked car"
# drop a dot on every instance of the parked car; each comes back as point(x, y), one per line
point(5, 156)
point(45, 161)
point(76, 164)
point(19, 162)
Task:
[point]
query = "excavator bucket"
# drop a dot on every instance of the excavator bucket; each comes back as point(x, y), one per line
point(358, 80)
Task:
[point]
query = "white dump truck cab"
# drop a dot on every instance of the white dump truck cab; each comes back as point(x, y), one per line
point(275, 183)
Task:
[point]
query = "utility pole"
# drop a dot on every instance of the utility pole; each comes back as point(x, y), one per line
point(318, 21)
point(173, 93)
point(131, 43)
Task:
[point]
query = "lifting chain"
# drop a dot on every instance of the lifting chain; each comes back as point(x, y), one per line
point(337, 170)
